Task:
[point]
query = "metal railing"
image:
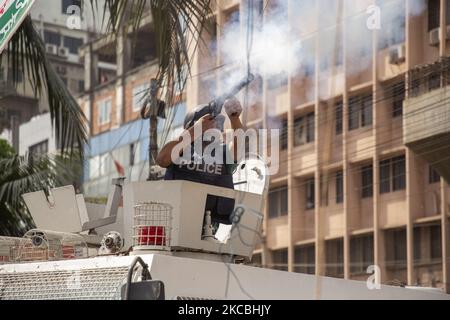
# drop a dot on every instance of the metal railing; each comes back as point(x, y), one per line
point(429, 77)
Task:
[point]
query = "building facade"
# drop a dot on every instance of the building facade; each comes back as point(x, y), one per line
point(350, 194)
point(118, 72)
point(65, 26)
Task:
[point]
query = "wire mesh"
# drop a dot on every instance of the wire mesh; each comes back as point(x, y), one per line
point(39, 245)
point(152, 226)
point(85, 284)
point(9, 249)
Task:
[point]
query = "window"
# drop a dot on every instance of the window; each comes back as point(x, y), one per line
point(308, 51)
point(435, 242)
point(339, 118)
point(232, 18)
point(73, 44)
point(427, 243)
point(361, 254)
point(305, 259)
point(433, 175)
point(397, 99)
point(81, 86)
point(385, 173)
point(323, 192)
point(395, 248)
point(434, 80)
point(67, 3)
point(392, 175)
point(280, 260)
point(394, 26)
point(51, 37)
point(334, 253)
point(399, 174)
point(339, 187)
point(139, 94)
point(447, 13)
point(277, 81)
point(367, 181)
point(284, 135)
point(310, 194)
point(278, 202)
point(360, 112)
point(434, 8)
point(330, 51)
point(104, 111)
point(361, 41)
point(38, 150)
point(310, 128)
point(304, 130)
point(257, 260)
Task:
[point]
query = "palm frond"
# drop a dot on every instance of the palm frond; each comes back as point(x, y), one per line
point(18, 176)
point(177, 25)
point(26, 53)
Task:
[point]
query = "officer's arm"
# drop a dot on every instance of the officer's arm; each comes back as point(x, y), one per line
point(235, 125)
point(234, 109)
point(166, 156)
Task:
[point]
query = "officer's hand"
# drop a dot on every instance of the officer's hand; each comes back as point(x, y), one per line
point(233, 107)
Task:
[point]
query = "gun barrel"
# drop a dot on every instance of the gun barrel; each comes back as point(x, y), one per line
point(241, 85)
point(214, 108)
point(217, 103)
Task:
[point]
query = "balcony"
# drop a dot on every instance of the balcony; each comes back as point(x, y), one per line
point(426, 120)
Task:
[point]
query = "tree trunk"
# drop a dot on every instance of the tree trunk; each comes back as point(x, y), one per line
point(153, 144)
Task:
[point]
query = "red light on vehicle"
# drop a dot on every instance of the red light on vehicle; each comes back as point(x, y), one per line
point(68, 252)
point(152, 236)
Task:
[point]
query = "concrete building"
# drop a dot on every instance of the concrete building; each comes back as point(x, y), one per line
point(64, 29)
point(118, 72)
point(37, 136)
point(349, 193)
point(65, 26)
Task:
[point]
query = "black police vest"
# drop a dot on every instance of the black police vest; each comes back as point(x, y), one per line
point(219, 175)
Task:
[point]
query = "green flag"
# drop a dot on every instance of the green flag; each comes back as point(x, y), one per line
point(12, 13)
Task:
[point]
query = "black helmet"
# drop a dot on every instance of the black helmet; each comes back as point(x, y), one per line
point(190, 116)
point(220, 119)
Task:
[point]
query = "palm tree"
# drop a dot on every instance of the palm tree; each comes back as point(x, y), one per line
point(177, 26)
point(19, 175)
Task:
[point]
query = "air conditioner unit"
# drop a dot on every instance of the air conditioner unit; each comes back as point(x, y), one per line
point(434, 37)
point(397, 54)
point(63, 52)
point(51, 49)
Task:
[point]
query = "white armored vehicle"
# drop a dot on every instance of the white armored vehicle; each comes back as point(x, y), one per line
point(154, 240)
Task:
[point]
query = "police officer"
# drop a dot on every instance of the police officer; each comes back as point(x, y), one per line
point(196, 169)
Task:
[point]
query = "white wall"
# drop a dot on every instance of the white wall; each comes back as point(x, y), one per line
point(37, 130)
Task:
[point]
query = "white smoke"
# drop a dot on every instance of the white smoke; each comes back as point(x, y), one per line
point(272, 48)
point(277, 47)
